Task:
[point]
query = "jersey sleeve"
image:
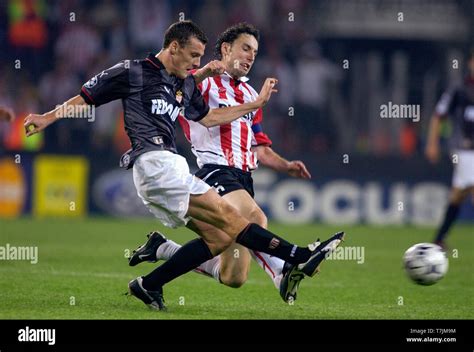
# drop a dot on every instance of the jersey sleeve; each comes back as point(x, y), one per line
point(447, 102)
point(260, 138)
point(198, 107)
point(203, 86)
point(110, 84)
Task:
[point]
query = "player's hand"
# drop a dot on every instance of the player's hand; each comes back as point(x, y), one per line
point(213, 68)
point(35, 123)
point(298, 169)
point(6, 114)
point(432, 153)
point(266, 91)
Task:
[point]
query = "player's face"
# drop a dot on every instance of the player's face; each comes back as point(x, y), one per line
point(188, 57)
point(241, 55)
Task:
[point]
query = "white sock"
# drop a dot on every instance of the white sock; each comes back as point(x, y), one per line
point(167, 250)
point(273, 266)
point(210, 268)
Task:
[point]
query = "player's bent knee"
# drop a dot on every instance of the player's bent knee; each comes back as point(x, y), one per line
point(234, 281)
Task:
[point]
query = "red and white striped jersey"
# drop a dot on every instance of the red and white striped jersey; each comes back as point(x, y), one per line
point(228, 144)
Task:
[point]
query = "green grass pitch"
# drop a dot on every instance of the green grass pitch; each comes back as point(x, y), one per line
point(82, 273)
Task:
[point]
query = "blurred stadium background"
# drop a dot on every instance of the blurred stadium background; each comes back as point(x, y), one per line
point(337, 63)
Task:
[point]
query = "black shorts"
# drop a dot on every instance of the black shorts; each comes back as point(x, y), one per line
point(226, 179)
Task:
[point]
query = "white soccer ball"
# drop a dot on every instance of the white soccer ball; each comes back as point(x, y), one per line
point(425, 263)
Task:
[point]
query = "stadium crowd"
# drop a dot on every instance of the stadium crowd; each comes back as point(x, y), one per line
point(50, 48)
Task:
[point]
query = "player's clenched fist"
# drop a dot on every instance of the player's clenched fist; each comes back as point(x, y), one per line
point(214, 67)
point(35, 123)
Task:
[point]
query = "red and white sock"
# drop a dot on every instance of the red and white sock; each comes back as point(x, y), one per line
point(273, 266)
point(211, 268)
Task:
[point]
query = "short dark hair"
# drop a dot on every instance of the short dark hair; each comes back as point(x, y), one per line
point(232, 33)
point(182, 31)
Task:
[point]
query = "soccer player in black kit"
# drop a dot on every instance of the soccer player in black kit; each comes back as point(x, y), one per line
point(458, 104)
point(153, 92)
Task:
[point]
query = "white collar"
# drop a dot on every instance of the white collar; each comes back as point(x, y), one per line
point(241, 79)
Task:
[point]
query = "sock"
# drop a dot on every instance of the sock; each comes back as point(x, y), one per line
point(257, 238)
point(185, 259)
point(273, 266)
point(210, 268)
point(451, 215)
point(167, 250)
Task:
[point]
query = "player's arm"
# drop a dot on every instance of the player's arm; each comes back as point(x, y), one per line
point(212, 68)
point(443, 108)
point(432, 146)
point(222, 116)
point(109, 85)
point(268, 157)
point(35, 123)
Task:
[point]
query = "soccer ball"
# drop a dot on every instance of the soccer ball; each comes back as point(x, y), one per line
point(425, 263)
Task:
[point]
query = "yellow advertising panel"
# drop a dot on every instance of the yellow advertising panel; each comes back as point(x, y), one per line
point(60, 186)
point(12, 188)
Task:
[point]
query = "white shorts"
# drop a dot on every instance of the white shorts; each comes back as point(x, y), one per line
point(164, 183)
point(463, 175)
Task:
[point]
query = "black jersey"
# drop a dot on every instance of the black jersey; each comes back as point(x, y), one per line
point(152, 100)
point(458, 104)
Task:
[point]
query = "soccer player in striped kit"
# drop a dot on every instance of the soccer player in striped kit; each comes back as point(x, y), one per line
point(457, 103)
point(154, 91)
point(226, 155)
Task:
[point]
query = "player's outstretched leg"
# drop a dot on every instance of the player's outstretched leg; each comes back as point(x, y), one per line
point(294, 273)
point(153, 299)
point(230, 226)
point(456, 198)
point(158, 247)
point(148, 252)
